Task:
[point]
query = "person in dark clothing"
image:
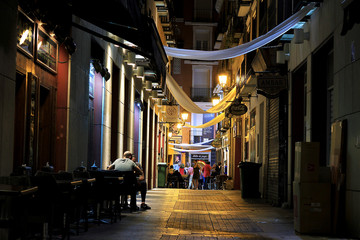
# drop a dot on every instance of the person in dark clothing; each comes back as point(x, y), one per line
point(196, 175)
point(218, 168)
point(141, 186)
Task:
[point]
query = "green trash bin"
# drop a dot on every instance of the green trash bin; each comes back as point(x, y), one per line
point(249, 175)
point(162, 174)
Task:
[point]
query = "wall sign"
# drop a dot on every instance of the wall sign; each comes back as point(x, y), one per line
point(216, 143)
point(199, 156)
point(271, 85)
point(236, 109)
point(171, 113)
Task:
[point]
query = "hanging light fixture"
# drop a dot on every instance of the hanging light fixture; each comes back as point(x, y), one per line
point(184, 116)
point(222, 80)
point(215, 99)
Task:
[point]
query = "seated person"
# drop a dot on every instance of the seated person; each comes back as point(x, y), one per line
point(179, 178)
point(171, 170)
point(141, 186)
point(125, 164)
point(178, 175)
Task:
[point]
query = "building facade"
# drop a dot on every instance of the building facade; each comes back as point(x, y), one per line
point(75, 91)
point(317, 61)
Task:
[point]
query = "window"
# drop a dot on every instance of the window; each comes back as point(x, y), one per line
point(202, 38)
point(252, 118)
point(196, 119)
point(201, 83)
point(246, 143)
point(246, 127)
point(252, 136)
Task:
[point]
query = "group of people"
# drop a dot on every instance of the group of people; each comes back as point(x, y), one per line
point(129, 163)
point(200, 177)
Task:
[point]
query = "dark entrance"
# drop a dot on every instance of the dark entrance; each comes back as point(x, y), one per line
point(45, 146)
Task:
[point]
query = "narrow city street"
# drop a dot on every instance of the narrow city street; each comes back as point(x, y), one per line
point(100, 100)
point(199, 214)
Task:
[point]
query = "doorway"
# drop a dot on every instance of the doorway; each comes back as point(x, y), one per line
point(20, 120)
point(45, 146)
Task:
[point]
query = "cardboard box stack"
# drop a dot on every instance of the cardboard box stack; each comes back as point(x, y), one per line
point(311, 197)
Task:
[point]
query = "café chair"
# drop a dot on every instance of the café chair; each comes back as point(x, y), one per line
point(48, 206)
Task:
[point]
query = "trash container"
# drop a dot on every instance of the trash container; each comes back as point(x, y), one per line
point(162, 174)
point(249, 175)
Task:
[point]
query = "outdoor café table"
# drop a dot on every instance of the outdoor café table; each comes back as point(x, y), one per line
point(90, 180)
point(14, 190)
point(66, 185)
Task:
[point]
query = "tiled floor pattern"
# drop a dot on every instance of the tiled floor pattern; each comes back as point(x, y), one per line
point(191, 197)
point(212, 222)
point(183, 214)
point(205, 206)
point(189, 237)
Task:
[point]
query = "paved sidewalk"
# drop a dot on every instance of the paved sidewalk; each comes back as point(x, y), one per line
point(199, 214)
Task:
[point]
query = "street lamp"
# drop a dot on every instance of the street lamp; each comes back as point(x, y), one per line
point(215, 99)
point(222, 80)
point(184, 116)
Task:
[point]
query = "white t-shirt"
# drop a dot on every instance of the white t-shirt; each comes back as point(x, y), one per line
point(124, 164)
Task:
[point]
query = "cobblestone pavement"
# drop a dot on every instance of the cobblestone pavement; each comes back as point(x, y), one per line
point(182, 214)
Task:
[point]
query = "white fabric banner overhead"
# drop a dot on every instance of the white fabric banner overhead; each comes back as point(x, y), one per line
point(200, 144)
point(198, 150)
point(243, 48)
point(209, 123)
point(184, 100)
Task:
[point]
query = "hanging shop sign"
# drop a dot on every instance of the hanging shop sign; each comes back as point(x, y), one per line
point(236, 109)
point(199, 156)
point(271, 86)
point(216, 143)
point(170, 113)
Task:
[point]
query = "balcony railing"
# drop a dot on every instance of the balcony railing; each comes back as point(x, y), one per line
point(201, 94)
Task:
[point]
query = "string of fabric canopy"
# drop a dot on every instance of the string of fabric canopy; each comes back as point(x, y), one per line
point(184, 100)
point(197, 150)
point(243, 48)
point(200, 144)
point(209, 123)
